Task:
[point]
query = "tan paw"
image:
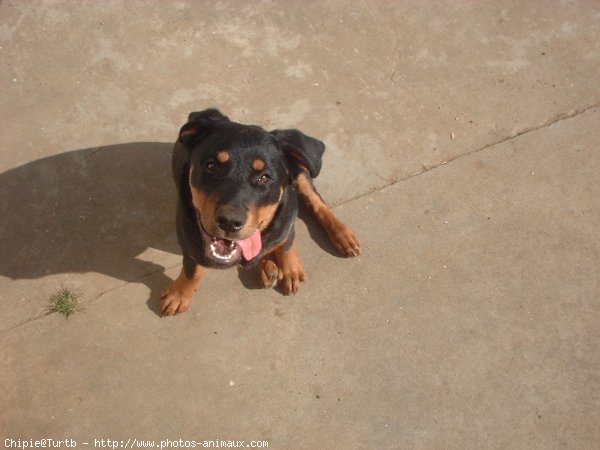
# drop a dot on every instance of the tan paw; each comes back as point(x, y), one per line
point(344, 240)
point(174, 300)
point(290, 276)
point(268, 273)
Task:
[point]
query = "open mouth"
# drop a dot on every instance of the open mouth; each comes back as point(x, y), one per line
point(224, 250)
point(227, 251)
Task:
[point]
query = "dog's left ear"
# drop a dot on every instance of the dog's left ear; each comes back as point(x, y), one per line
point(301, 151)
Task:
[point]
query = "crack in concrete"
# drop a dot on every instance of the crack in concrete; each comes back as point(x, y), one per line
point(368, 164)
point(91, 300)
point(551, 121)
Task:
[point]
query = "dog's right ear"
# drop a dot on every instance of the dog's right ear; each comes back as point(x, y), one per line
point(199, 124)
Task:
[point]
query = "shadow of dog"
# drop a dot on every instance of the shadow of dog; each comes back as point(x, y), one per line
point(91, 210)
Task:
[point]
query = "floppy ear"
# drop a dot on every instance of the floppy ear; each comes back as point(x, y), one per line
point(301, 151)
point(199, 124)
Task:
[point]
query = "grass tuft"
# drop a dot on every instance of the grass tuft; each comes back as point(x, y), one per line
point(64, 302)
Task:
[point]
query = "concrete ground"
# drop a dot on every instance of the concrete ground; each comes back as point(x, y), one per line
point(463, 149)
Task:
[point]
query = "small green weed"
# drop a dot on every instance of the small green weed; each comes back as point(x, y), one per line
point(64, 302)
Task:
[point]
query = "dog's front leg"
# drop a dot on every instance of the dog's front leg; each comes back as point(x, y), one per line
point(291, 272)
point(176, 298)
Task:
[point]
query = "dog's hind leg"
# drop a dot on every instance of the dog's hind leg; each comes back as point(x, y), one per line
point(340, 235)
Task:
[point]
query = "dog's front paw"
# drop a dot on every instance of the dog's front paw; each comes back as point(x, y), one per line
point(174, 300)
point(344, 239)
point(268, 272)
point(291, 274)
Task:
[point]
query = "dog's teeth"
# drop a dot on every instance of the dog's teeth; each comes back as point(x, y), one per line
point(222, 249)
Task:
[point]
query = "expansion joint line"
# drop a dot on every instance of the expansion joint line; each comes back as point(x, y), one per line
point(552, 121)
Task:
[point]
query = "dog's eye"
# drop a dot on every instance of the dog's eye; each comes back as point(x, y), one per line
point(264, 178)
point(210, 166)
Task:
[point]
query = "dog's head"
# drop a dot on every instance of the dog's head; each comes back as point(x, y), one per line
point(236, 175)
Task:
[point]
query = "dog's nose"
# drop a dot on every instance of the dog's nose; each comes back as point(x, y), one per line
point(230, 219)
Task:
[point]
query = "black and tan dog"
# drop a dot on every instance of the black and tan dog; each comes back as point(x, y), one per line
point(238, 188)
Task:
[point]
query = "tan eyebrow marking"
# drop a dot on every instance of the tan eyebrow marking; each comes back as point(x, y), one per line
point(223, 156)
point(258, 164)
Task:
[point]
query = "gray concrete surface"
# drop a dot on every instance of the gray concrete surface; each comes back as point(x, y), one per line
point(462, 148)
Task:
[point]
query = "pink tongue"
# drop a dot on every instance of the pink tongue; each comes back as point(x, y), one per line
point(251, 246)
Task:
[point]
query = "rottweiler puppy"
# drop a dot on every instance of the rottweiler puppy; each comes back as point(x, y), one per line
point(238, 188)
